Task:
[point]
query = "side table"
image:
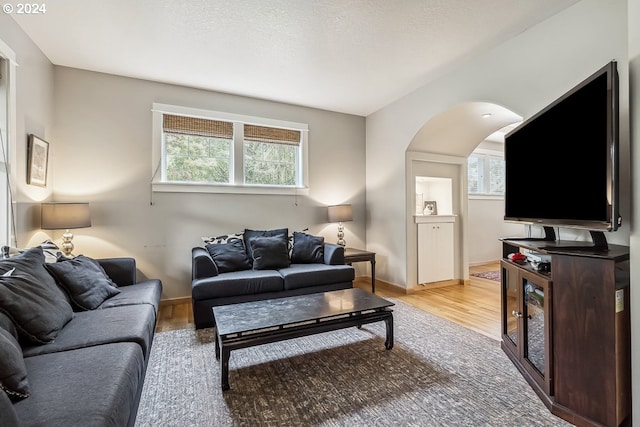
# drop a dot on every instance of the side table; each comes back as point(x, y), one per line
point(352, 255)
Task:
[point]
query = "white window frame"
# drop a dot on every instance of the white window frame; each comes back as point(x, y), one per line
point(236, 168)
point(8, 235)
point(486, 155)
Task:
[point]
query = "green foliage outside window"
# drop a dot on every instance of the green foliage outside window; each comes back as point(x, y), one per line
point(192, 158)
point(269, 164)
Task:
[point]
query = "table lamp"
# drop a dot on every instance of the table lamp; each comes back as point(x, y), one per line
point(65, 216)
point(340, 214)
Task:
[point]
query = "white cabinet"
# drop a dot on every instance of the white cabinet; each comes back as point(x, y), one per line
point(436, 248)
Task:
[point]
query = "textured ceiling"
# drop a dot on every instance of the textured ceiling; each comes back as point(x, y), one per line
point(352, 56)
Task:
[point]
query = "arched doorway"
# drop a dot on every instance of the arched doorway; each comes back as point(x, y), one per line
point(441, 147)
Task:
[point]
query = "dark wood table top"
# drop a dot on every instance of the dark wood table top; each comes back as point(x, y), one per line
point(280, 312)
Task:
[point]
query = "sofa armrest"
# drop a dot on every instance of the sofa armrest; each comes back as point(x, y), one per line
point(202, 264)
point(121, 270)
point(333, 254)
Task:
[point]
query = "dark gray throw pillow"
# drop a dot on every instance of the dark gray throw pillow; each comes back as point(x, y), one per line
point(269, 253)
point(230, 256)
point(13, 372)
point(84, 280)
point(307, 249)
point(37, 309)
point(282, 233)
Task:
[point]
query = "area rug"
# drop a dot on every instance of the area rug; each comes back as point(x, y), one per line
point(489, 275)
point(437, 374)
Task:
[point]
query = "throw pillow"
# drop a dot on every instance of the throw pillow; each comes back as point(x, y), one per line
point(38, 309)
point(282, 233)
point(84, 280)
point(229, 256)
point(225, 238)
point(13, 372)
point(307, 249)
point(269, 253)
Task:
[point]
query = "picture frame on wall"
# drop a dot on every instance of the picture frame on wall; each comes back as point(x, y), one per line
point(37, 161)
point(430, 208)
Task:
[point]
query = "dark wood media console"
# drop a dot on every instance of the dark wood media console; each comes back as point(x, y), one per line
point(568, 331)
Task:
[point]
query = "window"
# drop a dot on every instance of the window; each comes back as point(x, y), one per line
point(7, 142)
point(485, 174)
point(221, 152)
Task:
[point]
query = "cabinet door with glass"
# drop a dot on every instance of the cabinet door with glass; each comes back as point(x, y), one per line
point(526, 321)
point(536, 328)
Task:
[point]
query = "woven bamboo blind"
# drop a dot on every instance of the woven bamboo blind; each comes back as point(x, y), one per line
point(196, 126)
point(273, 135)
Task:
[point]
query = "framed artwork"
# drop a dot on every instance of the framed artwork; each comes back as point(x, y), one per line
point(430, 208)
point(37, 161)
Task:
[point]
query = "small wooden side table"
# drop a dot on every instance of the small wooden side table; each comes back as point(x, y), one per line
point(352, 255)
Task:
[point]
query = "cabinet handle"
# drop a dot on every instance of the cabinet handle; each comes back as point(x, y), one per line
point(516, 314)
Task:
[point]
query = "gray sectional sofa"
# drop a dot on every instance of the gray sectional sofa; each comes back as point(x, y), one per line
point(258, 265)
point(85, 364)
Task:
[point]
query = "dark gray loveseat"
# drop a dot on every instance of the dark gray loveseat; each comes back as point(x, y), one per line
point(92, 373)
point(308, 265)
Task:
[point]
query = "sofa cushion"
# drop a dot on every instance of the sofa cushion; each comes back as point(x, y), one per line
point(13, 373)
point(237, 283)
point(269, 252)
point(145, 292)
point(229, 256)
point(307, 275)
point(307, 248)
point(84, 280)
point(132, 323)
point(7, 324)
point(38, 309)
point(225, 238)
point(8, 416)
point(92, 386)
point(283, 233)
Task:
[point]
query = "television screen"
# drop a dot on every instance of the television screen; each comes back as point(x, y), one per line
point(562, 163)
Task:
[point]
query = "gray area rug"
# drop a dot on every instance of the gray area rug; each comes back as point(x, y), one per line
point(437, 374)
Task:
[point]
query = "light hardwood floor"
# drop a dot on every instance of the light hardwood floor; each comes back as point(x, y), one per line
point(475, 306)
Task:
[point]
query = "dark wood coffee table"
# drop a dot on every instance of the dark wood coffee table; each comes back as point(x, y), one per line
point(261, 322)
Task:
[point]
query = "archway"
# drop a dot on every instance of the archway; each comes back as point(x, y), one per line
point(441, 148)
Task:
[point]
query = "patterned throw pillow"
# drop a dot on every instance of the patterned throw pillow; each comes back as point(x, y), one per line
point(225, 238)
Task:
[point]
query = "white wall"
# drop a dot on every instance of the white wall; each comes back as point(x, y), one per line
point(103, 156)
point(523, 74)
point(34, 114)
point(485, 227)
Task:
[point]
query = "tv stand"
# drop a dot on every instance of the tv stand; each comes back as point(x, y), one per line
point(598, 241)
point(568, 331)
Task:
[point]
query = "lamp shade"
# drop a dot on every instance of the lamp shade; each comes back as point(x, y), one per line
point(340, 213)
point(60, 216)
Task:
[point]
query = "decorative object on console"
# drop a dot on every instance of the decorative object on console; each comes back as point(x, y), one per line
point(430, 208)
point(340, 214)
point(65, 216)
point(38, 158)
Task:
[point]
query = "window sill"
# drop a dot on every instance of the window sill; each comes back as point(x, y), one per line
point(166, 187)
point(485, 197)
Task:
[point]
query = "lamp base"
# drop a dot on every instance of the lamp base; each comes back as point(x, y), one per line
point(67, 244)
point(341, 240)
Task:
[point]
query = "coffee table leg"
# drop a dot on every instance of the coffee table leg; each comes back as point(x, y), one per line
point(217, 343)
point(224, 368)
point(388, 344)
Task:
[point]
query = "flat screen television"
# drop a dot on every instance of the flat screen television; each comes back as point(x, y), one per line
point(562, 163)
